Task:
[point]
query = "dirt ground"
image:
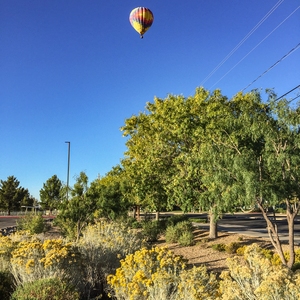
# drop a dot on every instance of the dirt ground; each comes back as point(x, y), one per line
point(202, 253)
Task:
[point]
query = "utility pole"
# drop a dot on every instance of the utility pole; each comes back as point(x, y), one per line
point(68, 174)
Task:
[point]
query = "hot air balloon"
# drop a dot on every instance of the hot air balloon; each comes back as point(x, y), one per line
point(141, 18)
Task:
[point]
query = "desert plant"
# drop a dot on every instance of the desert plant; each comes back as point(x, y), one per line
point(145, 269)
point(102, 245)
point(186, 238)
point(180, 233)
point(255, 277)
point(151, 230)
point(45, 289)
point(34, 260)
point(160, 274)
point(219, 247)
point(171, 234)
point(34, 223)
point(197, 284)
point(232, 247)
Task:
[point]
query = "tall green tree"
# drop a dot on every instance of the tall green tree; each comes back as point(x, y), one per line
point(262, 157)
point(51, 193)
point(165, 147)
point(12, 194)
point(110, 192)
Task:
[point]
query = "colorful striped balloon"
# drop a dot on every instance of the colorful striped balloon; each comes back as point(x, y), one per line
point(141, 19)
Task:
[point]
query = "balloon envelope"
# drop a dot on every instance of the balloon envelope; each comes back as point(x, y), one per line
point(141, 18)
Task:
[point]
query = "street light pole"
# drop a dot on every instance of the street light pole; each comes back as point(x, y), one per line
point(68, 174)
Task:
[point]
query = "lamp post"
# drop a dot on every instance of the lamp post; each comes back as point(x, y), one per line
point(68, 174)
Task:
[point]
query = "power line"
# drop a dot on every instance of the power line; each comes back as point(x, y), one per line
point(280, 60)
point(242, 41)
point(294, 98)
point(256, 46)
point(288, 93)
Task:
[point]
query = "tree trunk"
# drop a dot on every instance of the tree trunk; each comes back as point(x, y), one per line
point(213, 228)
point(273, 234)
point(290, 219)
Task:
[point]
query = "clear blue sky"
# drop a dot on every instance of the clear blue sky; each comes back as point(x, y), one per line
point(75, 70)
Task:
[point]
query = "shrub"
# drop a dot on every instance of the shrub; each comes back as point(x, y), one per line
point(186, 238)
point(33, 223)
point(144, 270)
point(151, 230)
point(219, 247)
point(45, 289)
point(159, 274)
point(254, 277)
point(102, 245)
point(180, 233)
point(34, 260)
point(6, 285)
point(232, 247)
point(171, 234)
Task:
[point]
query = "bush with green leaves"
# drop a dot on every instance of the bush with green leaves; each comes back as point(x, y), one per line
point(34, 223)
point(45, 289)
point(152, 230)
point(181, 233)
point(186, 238)
point(219, 247)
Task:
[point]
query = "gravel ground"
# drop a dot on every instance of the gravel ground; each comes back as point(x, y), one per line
point(202, 253)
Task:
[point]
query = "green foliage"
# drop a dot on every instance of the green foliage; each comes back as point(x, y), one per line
point(51, 193)
point(198, 220)
point(34, 223)
point(219, 247)
point(12, 195)
point(77, 212)
point(186, 238)
point(6, 285)
point(45, 289)
point(110, 192)
point(180, 233)
point(151, 230)
point(171, 234)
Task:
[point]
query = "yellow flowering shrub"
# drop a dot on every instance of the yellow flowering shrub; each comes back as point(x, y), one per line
point(33, 260)
point(197, 284)
point(160, 274)
point(255, 277)
point(140, 271)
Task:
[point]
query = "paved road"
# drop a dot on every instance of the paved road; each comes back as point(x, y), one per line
point(7, 221)
point(253, 224)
